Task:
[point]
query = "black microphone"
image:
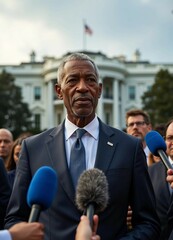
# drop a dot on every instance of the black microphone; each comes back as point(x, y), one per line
point(92, 192)
point(157, 147)
point(41, 191)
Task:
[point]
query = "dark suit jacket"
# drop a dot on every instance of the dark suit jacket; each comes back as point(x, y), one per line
point(171, 236)
point(124, 164)
point(5, 192)
point(158, 175)
point(11, 175)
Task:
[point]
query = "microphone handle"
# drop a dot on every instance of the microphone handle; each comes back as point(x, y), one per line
point(164, 159)
point(90, 213)
point(35, 213)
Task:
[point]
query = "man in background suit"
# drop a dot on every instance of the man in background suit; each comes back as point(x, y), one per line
point(118, 155)
point(138, 125)
point(6, 142)
point(162, 189)
point(169, 177)
point(158, 174)
point(5, 192)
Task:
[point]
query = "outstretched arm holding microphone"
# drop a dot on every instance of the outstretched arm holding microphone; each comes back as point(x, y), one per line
point(84, 231)
point(24, 231)
point(35, 231)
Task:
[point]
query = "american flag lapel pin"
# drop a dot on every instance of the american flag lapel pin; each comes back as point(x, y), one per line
point(110, 144)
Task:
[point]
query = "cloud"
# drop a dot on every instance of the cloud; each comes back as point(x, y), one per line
point(54, 27)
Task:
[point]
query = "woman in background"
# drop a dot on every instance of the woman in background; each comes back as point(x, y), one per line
point(14, 157)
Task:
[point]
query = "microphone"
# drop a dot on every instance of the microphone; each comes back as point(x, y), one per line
point(41, 191)
point(92, 192)
point(157, 147)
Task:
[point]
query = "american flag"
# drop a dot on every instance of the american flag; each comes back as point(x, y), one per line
point(88, 29)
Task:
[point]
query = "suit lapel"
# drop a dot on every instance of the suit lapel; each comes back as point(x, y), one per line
point(56, 148)
point(106, 147)
point(163, 184)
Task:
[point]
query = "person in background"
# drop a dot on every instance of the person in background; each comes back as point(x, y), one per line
point(163, 192)
point(24, 231)
point(13, 159)
point(119, 155)
point(5, 192)
point(84, 231)
point(6, 142)
point(138, 125)
point(169, 176)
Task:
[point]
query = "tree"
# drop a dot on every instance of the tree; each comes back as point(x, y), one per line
point(14, 114)
point(158, 100)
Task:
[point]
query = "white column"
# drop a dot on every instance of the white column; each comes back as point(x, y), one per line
point(100, 112)
point(115, 104)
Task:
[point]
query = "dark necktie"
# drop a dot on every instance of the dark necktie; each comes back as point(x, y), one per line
point(77, 157)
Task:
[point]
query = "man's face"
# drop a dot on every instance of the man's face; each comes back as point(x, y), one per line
point(5, 144)
point(79, 90)
point(169, 141)
point(137, 127)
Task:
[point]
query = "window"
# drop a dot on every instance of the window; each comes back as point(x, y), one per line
point(132, 92)
point(37, 121)
point(107, 92)
point(37, 93)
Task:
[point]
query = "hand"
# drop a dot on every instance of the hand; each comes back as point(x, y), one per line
point(129, 218)
point(169, 178)
point(84, 231)
point(27, 231)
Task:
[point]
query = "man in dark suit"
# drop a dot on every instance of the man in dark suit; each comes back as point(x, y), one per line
point(119, 156)
point(158, 174)
point(169, 177)
point(162, 189)
point(5, 192)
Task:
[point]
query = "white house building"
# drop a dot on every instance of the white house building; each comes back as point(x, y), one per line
point(124, 82)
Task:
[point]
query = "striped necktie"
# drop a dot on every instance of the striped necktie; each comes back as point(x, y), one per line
point(77, 157)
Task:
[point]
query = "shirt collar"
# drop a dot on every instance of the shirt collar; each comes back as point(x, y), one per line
point(146, 150)
point(170, 160)
point(92, 128)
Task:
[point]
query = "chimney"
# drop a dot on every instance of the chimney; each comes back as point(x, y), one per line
point(32, 57)
point(136, 56)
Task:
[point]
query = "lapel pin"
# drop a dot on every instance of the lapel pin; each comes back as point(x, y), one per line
point(110, 144)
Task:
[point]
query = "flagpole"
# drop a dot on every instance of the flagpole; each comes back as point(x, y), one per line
point(84, 35)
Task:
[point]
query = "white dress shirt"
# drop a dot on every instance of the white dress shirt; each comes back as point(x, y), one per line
point(147, 151)
point(171, 162)
point(89, 139)
point(5, 235)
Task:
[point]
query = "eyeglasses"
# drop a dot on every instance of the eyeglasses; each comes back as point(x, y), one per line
point(138, 124)
point(169, 138)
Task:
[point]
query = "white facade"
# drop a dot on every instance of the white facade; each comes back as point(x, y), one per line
point(123, 85)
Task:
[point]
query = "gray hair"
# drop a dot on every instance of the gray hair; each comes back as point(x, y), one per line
point(71, 57)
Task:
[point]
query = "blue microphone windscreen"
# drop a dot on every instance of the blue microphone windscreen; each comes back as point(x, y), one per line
point(43, 187)
point(155, 142)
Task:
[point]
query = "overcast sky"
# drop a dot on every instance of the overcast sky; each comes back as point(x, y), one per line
point(54, 27)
